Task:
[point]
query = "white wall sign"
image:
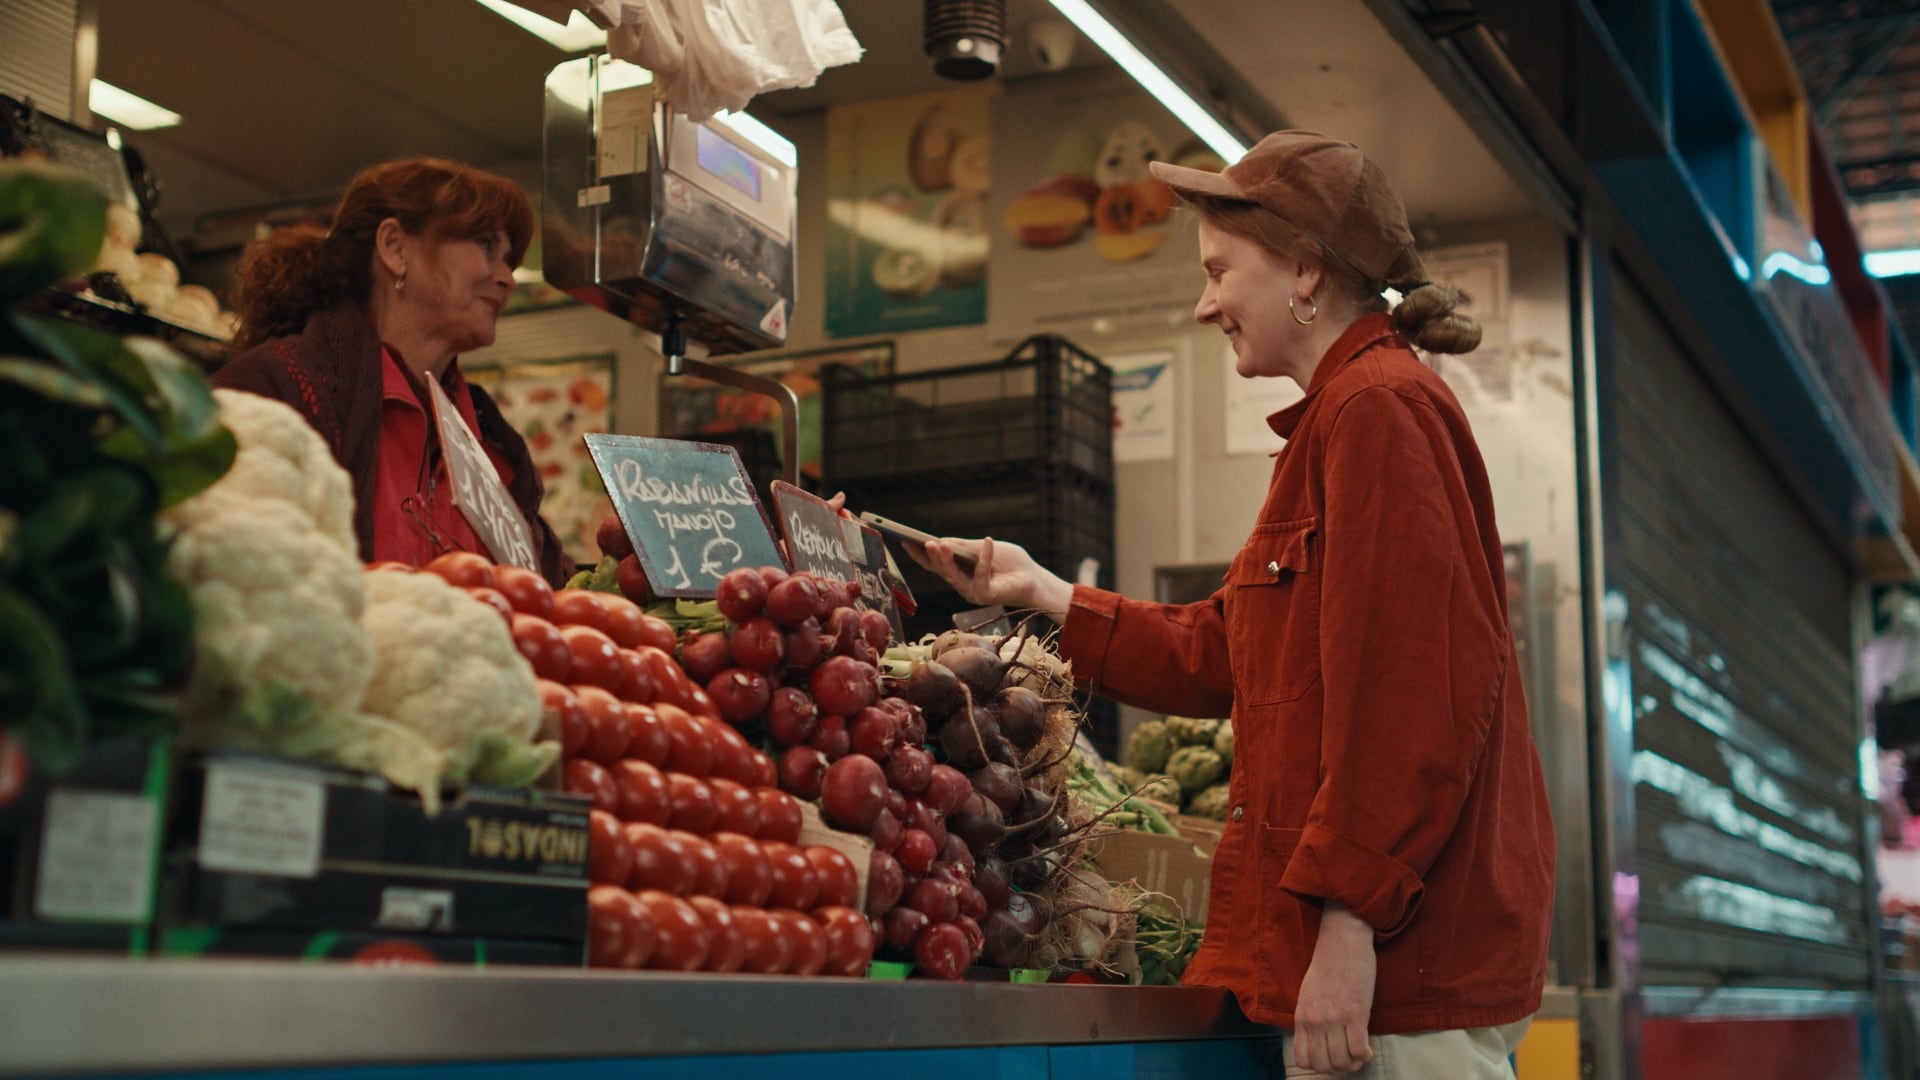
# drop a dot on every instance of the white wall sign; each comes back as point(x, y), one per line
point(1143, 406)
point(1249, 403)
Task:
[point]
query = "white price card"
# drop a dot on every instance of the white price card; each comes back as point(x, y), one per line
point(477, 490)
point(257, 822)
point(96, 857)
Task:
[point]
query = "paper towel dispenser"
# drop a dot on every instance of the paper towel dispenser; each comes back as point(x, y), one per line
point(654, 218)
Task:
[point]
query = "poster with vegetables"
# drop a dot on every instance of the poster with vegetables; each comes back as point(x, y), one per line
point(1084, 237)
point(908, 231)
point(554, 405)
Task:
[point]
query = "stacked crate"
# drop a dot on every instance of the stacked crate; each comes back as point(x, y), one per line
point(1020, 449)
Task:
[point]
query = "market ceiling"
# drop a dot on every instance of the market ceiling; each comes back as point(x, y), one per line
point(1860, 63)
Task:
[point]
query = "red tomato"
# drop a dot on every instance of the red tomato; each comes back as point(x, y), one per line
point(729, 949)
point(695, 699)
point(526, 590)
point(623, 621)
point(692, 748)
point(609, 856)
point(579, 607)
point(769, 949)
point(749, 874)
point(493, 599)
point(635, 684)
point(737, 810)
point(839, 881)
point(779, 815)
point(563, 717)
point(765, 773)
point(658, 633)
point(596, 659)
point(608, 729)
point(709, 873)
point(668, 678)
point(660, 860)
point(733, 754)
point(849, 940)
point(606, 926)
point(794, 883)
point(540, 642)
point(462, 568)
point(809, 941)
point(14, 768)
point(583, 777)
point(694, 808)
point(649, 742)
point(640, 932)
point(643, 792)
point(682, 939)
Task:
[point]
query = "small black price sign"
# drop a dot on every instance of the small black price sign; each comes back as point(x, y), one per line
point(689, 509)
point(812, 528)
point(881, 586)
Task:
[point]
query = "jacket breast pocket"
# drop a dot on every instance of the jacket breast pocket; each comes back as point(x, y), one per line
point(1273, 613)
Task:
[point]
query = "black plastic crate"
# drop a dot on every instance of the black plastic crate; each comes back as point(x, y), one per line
point(1047, 403)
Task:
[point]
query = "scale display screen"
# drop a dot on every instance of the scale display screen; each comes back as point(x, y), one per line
point(731, 164)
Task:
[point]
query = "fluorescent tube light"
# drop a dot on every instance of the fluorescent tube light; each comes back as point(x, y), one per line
point(128, 110)
point(775, 144)
point(1191, 113)
point(578, 35)
point(1893, 263)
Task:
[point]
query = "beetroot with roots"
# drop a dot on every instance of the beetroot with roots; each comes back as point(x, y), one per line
point(1001, 783)
point(935, 689)
point(990, 877)
point(1005, 941)
point(980, 668)
point(973, 902)
point(968, 738)
point(979, 822)
point(1023, 715)
point(954, 850)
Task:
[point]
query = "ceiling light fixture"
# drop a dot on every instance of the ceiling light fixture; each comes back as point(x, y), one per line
point(127, 109)
point(1893, 263)
point(577, 35)
point(1198, 118)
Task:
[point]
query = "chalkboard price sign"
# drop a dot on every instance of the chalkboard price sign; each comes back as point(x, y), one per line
point(880, 582)
point(812, 528)
point(689, 509)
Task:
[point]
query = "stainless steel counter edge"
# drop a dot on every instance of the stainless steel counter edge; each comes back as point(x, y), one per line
point(82, 1015)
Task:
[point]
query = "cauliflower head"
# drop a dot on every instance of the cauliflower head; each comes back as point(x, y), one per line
point(446, 667)
point(275, 601)
point(281, 457)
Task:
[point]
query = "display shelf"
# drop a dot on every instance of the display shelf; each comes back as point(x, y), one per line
point(202, 348)
point(56, 1015)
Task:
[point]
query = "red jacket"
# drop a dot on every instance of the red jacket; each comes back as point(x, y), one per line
point(1381, 754)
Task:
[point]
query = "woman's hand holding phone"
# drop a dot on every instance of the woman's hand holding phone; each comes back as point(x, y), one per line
point(1002, 573)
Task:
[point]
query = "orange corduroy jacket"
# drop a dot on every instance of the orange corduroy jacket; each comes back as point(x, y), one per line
point(1382, 757)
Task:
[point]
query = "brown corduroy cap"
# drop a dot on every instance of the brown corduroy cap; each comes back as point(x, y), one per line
point(1323, 187)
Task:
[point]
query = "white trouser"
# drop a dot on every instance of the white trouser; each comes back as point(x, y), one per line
point(1464, 1054)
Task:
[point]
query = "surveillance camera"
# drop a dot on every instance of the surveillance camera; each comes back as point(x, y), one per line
point(1051, 43)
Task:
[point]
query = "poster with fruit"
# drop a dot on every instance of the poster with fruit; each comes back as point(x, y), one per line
point(1084, 236)
point(908, 183)
point(553, 404)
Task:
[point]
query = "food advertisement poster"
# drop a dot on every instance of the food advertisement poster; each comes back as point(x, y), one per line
point(1143, 406)
point(692, 408)
point(1084, 237)
point(908, 232)
point(553, 405)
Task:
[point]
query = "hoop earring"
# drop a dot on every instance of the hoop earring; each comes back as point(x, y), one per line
point(400, 283)
point(1312, 313)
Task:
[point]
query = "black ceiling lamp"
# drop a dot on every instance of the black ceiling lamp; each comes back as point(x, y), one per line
point(965, 37)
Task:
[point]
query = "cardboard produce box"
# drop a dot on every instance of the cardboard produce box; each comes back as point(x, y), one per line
point(78, 852)
point(271, 844)
point(1169, 865)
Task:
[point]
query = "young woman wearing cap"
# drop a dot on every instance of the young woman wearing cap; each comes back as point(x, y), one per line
point(349, 324)
point(1384, 884)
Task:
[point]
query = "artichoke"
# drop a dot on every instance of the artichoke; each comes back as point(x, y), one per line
point(1212, 802)
point(1161, 787)
point(1128, 777)
point(1223, 744)
point(1149, 746)
point(1196, 768)
point(1189, 731)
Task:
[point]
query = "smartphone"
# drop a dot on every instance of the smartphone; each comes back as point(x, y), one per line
point(907, 534)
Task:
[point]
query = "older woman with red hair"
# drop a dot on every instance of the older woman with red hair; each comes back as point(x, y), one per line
point(350, 325)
